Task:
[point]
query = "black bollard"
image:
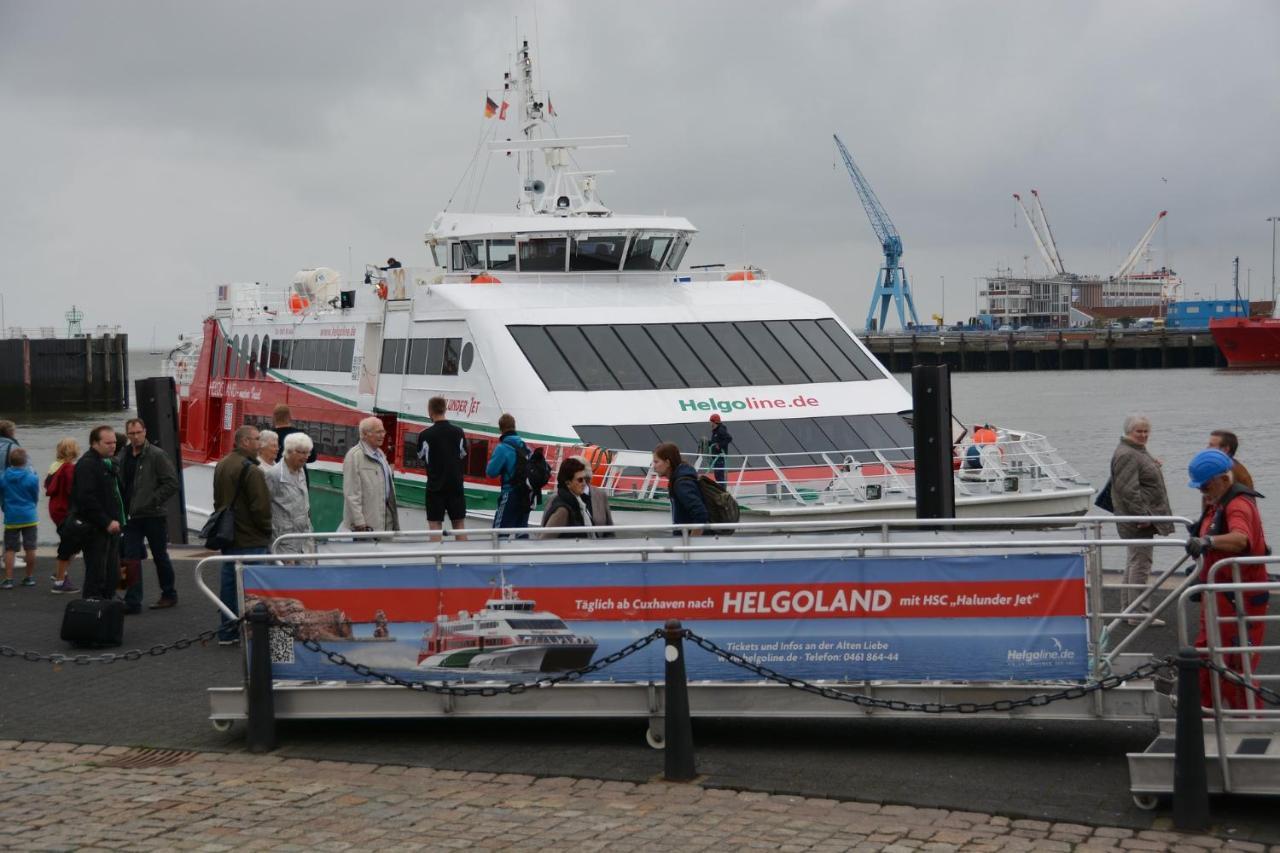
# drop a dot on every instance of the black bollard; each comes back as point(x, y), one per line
point(679, 729)
point(261, 735)
point(1190, 782)
point(931, 425)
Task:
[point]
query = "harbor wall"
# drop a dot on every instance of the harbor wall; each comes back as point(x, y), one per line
point(82, 373)
point(1048, 350)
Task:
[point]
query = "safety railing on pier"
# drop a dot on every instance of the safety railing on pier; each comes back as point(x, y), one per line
point(1014, 463)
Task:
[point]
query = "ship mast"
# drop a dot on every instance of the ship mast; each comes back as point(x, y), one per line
point(529, 112)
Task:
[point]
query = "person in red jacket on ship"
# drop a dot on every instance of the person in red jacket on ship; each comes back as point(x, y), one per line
point(1231, 526)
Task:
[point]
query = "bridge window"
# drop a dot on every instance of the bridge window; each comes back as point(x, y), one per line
point(542, 254)
point(468, 254)
point(502, 254)
point(647, 252)
point(596, 252)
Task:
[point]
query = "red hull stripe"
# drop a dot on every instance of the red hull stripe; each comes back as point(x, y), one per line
point(932, 600)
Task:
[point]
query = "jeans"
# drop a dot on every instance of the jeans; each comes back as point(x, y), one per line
point(227, 589)
point(717, 467)
point(101, 564)
point(156, 533)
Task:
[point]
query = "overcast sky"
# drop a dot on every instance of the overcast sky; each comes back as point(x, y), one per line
point(151, 150)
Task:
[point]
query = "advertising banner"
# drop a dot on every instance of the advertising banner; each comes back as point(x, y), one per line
point(983, 618)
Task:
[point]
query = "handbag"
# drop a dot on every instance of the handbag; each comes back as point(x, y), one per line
point(1103, 500)
point(71, 531)
point(220, 530)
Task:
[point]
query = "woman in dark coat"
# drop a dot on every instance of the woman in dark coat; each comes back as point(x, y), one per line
point(687, 506)
point(568, 508)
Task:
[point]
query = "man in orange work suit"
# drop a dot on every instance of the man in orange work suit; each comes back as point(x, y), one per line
point(1230, 527)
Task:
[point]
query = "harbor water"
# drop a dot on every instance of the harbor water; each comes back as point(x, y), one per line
point(1081, 412)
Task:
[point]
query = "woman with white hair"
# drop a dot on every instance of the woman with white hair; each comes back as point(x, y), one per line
point(290, 499)
point(1137, 488)
point(268, 449)
point(368, 490)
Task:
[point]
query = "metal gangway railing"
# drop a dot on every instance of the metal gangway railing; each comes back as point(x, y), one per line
point(1015, 463)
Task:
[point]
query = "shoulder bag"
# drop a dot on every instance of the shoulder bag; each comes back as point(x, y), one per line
point(220, 530)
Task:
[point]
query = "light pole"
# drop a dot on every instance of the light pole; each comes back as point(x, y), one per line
point(1273, 220)
point(943, 279)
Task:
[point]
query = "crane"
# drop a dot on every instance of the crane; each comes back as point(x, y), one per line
point(1048, 232)
point(1140, 248)
point(1043, 235)
point(891, 282)
point(1049, 260)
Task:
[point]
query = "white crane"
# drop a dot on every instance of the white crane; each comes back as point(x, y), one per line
point(1127, 266)
point(1042, 240)
point(1053, 244)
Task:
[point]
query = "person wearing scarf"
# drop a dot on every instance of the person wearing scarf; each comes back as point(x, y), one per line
point(567, 508)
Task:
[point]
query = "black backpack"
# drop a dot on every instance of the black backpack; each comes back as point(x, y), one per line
point(531, 472)
point(721, 507)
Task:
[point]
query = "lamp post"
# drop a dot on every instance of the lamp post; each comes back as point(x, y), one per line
point(943, 279)
point(1273, 220)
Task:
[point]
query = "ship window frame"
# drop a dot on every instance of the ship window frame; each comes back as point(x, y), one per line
point(716, 359)
point(811, 368)
point(555, 371)
point(828, 350)
point(452, 352)
point(396, 353)
point(252, 357)
point(264, 360)
point(727, 331)
point(653, 360)
point(676, 253)
point(622, 364)
point(458, 250)
point(649, 263)
point(510, 263)
point(688, 359)
point(416, 361)
point(619, 238)
point(346, 354)
point(332, 356)
point(233, 361)
point(548, 239)
point(286, 354)
point(758, 336)
point(866, 364)
point(467, 358)
point(590, 368)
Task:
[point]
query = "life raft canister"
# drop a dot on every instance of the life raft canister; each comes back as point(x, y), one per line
point(741, 275)
point(381, 288)
point(298, 303)
point(485, 278)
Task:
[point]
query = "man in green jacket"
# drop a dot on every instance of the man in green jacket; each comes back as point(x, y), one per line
point(150, 481)
point(238, 483)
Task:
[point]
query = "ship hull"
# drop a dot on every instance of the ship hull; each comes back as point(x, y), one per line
point(1248, 342)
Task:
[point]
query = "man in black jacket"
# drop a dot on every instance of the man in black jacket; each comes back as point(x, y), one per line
point(149, 481)
point(95, 497)
point(442, 447)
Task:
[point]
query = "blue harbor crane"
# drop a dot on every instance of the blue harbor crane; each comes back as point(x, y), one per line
point(891, 283)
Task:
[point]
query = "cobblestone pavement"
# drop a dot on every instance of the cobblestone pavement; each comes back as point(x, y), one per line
point(60, 796)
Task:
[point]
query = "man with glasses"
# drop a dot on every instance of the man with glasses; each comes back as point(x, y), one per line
point(238, 483)
point(149, 481)
point(1231, 527)
point(95, 494)
point(368, 488)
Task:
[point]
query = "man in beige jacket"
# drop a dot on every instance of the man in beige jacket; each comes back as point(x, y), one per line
point(368, 491)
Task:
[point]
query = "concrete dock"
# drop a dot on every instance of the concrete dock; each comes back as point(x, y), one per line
point(1065, 349)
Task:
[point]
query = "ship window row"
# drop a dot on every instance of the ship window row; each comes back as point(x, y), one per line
point(694, 355)
point(250, 357)
point(859, 436)
point(473, 466)
point(422, 356)
point(594, 252)
point(329, 439)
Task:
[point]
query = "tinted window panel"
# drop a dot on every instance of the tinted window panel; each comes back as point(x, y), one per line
point(875, 437)
point(596, 253)
point(712, 355)
point(625, 369)
point(550, 365)
point(646, 253)
point(809, 435)
point(347, 356)
point(286, 354)
point(393, 355)
point(753, 367)
point(803, 354)
point(747, 442)
point(219, 355)
point(300, 355)
point(866, 364)
point(673, 346)
point(543, 255)
point(502, 254)
point(684, 436)
point(333, 356)
point(595, 375)
point(435, 356)
point(638, 437)
point(452, 348)
point(829, 352)
point(417, 364)
point(777, 436)
point(767, 346)
point(897, 429)
point(844, 438)
point(649, 357)
point(600, 436)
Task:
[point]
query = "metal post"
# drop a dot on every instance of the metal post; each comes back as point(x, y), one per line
point(1190, 779)
point(261, 735)
point(931, 423)
point(679, 729)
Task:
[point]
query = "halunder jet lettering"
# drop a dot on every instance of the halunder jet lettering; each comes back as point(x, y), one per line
point(785, 601)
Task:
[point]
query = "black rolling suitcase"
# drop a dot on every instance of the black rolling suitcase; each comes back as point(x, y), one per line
point(93, 622)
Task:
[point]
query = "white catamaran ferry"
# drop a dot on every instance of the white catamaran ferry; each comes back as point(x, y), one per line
point(583, 324)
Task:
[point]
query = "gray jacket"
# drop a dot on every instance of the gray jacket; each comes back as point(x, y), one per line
point(154, 482)
point(290, 506)
point(366, 500)
point(1137, 484)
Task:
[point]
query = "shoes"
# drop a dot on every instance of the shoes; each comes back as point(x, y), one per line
point(63, 586)
point(7, 583)
point(233, 641)
point(28, 581)
point(165, 603)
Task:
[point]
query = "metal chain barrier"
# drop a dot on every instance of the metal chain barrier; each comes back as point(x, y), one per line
point(461, 690)
point(1267, 695)
point(57, 659)
point(1146, 670)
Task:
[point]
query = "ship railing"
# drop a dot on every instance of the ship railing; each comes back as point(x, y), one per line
point(597, 277)
point(1016, 462)
point(1110, 650)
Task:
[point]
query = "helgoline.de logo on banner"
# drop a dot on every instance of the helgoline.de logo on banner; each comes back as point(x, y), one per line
point(715, 404)
point(1041, 657)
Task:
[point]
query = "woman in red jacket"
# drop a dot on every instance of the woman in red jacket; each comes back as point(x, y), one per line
point(57, 485)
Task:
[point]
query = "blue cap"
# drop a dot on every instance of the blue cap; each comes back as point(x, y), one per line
point(1206, 465)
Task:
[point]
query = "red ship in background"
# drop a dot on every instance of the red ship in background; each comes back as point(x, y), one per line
point(1248, 341)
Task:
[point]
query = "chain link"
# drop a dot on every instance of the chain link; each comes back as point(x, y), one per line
point(1266, 694)
point(57, 659)
point(1146, 670)
point(461, 690)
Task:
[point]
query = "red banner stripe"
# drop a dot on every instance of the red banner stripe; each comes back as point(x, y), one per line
point(918, 600)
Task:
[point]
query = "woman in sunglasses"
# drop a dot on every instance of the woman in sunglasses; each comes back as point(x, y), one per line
point(567, 508)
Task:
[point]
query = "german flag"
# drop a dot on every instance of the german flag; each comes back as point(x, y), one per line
point(490, 108)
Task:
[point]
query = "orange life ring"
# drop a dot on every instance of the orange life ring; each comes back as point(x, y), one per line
point(485, 278)
point(298, 303)
point(984, 435)
point(741, 275)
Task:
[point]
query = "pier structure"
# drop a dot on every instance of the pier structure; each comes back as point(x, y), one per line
point(1054, 349)
point(50, 373)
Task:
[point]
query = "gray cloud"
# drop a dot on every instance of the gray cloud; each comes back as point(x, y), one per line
point(155, 149)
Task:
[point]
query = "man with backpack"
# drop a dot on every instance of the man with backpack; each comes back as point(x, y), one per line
point(523, 475)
